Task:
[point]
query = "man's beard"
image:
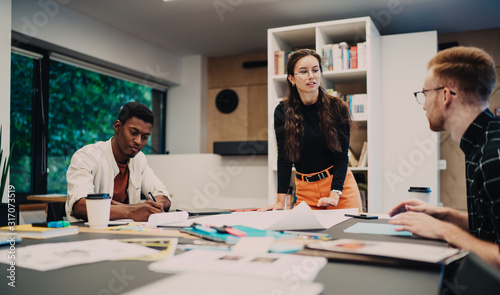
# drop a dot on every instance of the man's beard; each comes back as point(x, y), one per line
point(437, 122)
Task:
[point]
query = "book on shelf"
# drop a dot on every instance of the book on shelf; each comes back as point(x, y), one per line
point(337, 57)
point(280, 61)
point(327, 57)
point(353, 161)
point(34, 232)
point(344, 48)
point(363, 157)
point(357, 106)
point(354, 57)
point(361, 47)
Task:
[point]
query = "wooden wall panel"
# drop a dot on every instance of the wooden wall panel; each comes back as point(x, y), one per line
point(227, 127)
point(228, 71)
point(257, 112)
point(249, 120)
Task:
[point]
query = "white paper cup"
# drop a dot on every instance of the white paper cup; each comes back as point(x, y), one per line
point(98, 207)
point(421, 193)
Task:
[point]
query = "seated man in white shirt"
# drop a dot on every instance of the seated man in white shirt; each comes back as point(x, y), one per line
point(119, 168)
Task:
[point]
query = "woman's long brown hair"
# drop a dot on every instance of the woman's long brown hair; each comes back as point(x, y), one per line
point(332, 112)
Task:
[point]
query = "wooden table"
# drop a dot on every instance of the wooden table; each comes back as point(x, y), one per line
point(59, 198)
point(55, 205)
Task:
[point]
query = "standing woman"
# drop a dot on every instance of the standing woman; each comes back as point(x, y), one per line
point(312, 133)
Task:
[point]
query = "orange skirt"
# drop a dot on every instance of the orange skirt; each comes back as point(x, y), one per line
point(312, 192)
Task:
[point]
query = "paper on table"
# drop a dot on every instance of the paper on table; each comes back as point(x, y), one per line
point(227, 284)
point(376, 228)
point(49, 256)
point(270, 265)
point(253, 245)
point(169, 218)
point(301, 217)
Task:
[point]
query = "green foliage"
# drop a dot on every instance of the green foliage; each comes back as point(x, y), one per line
point(6, 163)
point(83, 106)
point(21, 121)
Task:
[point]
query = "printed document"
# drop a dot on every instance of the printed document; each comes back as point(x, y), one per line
point(269, 265)
point(301, 217)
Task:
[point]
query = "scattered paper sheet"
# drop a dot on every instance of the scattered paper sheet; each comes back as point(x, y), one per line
point(270, 265)
point(50, 256)
point(165, 246)
point(168, 218)
point(301, 217)
point(174, 219)
point(253, 245)
point(377, 229)
point(226, 284)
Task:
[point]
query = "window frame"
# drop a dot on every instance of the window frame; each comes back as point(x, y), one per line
point(40, 113)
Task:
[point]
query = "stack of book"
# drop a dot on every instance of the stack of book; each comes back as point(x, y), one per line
point(342, 56)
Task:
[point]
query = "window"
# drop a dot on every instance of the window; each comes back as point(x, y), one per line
point(21, 105)
point(81, 108)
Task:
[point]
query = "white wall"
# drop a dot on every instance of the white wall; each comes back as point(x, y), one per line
point(5, 36)
point(186, 105)
point(208, 180)
point(410, 148)
point(63, 27)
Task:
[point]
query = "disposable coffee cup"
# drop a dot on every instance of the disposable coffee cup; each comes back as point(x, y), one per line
point(421, 193)
point(98, 207)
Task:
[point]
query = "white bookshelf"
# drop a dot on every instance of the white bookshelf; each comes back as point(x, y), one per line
point(367, 80)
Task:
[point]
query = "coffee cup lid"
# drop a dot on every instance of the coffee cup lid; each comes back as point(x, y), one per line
point(98, 196)
point(416, 189)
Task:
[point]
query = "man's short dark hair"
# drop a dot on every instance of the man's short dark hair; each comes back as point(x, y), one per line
point(138, 110)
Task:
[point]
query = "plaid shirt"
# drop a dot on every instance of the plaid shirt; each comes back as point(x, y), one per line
point(481, 146)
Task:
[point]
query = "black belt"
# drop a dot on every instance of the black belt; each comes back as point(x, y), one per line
point(315, 177)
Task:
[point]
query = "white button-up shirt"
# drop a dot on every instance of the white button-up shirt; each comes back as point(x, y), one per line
point(93, 170)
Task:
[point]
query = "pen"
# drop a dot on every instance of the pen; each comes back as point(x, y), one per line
point(152, 198)
point(203, 228)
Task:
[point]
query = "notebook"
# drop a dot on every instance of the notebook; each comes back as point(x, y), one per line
point(32, 232)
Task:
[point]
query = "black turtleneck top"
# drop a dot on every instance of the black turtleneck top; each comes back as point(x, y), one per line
point(315, 155)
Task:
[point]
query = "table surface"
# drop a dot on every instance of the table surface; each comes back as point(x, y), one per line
point(48, 198)
point(113, 277)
